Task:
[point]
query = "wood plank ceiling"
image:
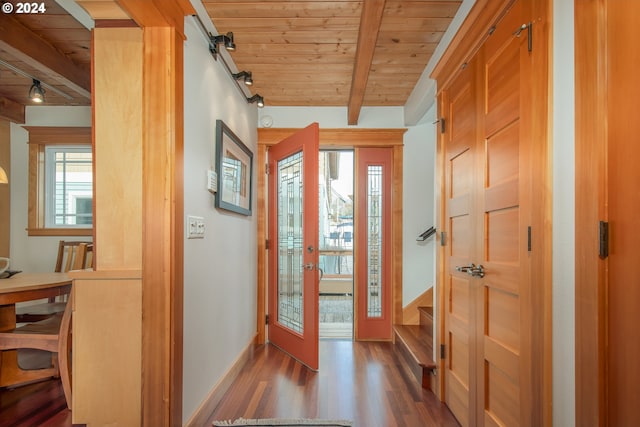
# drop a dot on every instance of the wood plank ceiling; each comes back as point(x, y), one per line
point(301, 53)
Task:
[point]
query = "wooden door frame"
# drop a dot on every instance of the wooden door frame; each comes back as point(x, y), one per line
point(331, 139)
point(467, 41)
point(591, 179)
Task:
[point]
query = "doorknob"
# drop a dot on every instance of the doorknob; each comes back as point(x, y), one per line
point(472, 270)
point(311, 266)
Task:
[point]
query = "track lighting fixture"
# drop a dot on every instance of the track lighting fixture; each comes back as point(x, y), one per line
point(256, 98)
point(36, 93)
point(246, 75)
point(226, 39)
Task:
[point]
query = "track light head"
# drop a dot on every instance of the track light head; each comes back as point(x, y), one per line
point(246, 75)
point(256, 98)
point(36, 93)
point(226, 39)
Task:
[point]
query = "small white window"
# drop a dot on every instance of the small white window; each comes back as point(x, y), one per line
point(69, 186)
point(60, 181)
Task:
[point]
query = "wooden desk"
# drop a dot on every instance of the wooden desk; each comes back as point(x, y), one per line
point(19, 288)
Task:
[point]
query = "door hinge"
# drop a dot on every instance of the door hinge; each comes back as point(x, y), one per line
point(266, 319)
point(529, 238)
point(603, 237)
point(267, 169)
point(266, 244)
point(443, 238)
point(442, 353)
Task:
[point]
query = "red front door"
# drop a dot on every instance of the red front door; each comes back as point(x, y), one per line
point(293, 249)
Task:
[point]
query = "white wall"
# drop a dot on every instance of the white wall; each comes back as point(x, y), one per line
point(332, 117)
point(563, 291)
point(418, 263)
point(37, 253)
point(221, 269)
point(418, 174)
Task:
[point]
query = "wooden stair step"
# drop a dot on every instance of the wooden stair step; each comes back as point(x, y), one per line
point(414, 344)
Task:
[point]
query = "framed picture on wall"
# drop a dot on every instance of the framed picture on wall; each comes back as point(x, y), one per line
point(234, 164)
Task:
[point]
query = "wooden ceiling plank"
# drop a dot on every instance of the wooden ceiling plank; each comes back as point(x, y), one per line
point(37, 22)
point(285, 24)
point(11, 110)
point(294, 36)
point(412, 9)
point(399, 37)
point(295, 60)
point(368, 35)
point(427, 24)
point(295, 49)
point(283, 9)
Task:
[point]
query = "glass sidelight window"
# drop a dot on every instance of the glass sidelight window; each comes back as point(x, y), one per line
point(374, 240)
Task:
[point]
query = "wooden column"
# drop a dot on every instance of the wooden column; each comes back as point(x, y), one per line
point(107, 338)
point(162, 281)
point(139, 152)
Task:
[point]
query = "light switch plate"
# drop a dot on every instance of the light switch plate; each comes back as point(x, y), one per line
point(195, 227)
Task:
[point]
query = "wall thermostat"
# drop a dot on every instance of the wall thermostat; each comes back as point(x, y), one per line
point(212, 181)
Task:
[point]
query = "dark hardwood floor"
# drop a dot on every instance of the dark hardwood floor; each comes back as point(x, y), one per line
point(360, 381)
point(40, 404)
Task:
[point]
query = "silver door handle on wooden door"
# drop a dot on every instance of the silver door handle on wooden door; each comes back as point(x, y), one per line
point(472, 270)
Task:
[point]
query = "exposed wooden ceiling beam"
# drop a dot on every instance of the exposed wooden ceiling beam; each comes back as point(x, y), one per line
point(26, 46)
point(157, 13)
point(367, 37)
point(11, 110)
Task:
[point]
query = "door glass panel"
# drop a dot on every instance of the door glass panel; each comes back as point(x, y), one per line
point(290, 243)
point(374, 241)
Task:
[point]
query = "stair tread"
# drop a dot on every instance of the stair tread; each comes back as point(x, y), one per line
point(417, 342)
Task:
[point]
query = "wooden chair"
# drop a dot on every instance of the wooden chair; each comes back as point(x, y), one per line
point(71, 256)
point(52, 334)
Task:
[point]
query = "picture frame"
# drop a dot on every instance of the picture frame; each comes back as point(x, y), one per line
point(234, 166)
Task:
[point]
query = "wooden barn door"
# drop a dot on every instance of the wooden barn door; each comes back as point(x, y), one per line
point(505, 306)
point(488, 308)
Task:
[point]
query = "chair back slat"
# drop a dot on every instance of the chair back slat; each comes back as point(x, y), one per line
point(74, 255)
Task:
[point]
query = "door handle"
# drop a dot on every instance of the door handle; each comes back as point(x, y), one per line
point(312, 266)
point(472, 270)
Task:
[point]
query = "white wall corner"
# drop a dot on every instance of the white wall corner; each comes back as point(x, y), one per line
point(420, 101)
point(424, 93)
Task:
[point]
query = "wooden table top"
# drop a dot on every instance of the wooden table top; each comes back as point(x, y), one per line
point(27, 286)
